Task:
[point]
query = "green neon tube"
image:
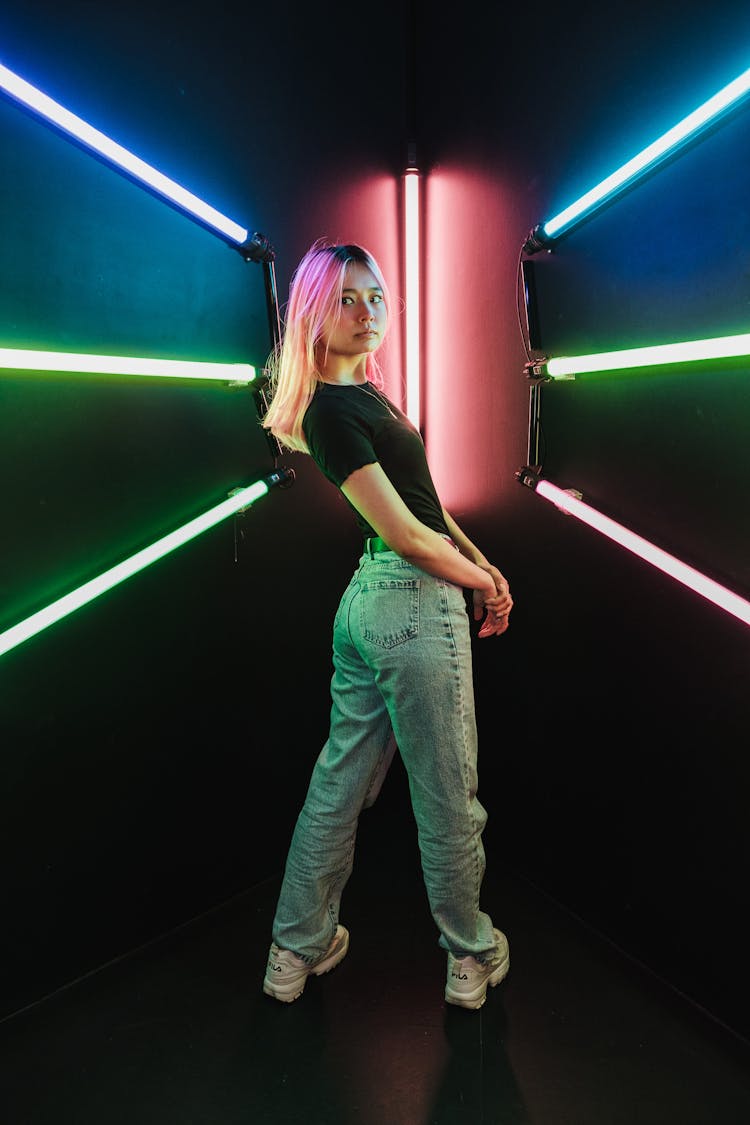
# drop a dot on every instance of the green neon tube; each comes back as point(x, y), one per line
point(23, 359)
point(240, 499)
point(689, 351)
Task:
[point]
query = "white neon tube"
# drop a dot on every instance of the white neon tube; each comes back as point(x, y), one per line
point(90, 590)
point(412, 286)
point(658, 150)
point(688, 351)
point(687, 575)
point(52, 111)
point(23, 359)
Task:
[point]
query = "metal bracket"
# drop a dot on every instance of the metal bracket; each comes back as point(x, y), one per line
point(537, 240)
point(536, 370)
point(528, 475)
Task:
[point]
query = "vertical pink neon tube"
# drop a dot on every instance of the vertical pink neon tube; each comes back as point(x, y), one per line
point(412, 287)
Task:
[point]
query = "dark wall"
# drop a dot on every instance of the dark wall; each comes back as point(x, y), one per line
point(149, 768)
point(613, 714)
point(150, 765)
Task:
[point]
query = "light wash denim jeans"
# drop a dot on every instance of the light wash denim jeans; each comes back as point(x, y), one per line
point(402, 677)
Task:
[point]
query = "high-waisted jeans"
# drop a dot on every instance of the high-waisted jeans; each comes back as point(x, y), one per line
point(402, 678)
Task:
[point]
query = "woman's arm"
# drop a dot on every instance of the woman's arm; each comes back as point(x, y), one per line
point(472, 552)
point(375, 498)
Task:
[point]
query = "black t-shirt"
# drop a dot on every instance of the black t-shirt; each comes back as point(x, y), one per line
point(350, 425)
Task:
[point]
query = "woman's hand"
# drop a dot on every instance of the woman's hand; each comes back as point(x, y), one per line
point(496, 604)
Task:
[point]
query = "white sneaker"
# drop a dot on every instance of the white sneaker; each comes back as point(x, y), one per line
point(468, 978)
point(286, 973)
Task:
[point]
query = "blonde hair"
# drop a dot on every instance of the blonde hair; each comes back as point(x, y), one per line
point(315, 296)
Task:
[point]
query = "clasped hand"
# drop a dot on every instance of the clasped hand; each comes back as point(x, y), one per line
point(496, 606)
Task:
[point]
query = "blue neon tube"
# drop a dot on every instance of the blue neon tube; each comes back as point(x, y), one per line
point(23, 92)
point(655, 153)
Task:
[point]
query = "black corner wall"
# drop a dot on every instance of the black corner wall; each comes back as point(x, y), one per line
point(142, 743)
point(150, 767)
point(614, 714)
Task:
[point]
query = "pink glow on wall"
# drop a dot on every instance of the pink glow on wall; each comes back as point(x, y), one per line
point(663, 561)
point(367, 209)
point(475, 399)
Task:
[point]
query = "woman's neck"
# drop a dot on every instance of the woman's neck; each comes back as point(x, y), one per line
point(343, 370)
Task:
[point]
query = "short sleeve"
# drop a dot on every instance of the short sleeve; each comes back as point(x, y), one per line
point(339, 441)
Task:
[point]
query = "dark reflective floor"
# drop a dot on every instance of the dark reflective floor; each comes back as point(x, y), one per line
point(179, 1033)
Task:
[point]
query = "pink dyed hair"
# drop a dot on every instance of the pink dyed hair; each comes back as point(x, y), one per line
point(315, 296)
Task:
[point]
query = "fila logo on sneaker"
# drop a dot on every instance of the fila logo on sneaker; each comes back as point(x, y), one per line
point(459, 976)
point(275, 968)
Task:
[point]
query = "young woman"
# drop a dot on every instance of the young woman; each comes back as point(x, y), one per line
point(401, 640)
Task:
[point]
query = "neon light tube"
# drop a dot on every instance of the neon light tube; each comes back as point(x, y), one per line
point(243, 498)
point(663, 561)
point(690, 351)
point(53, 112)
point(22, 359)
point(665, 146)
point(412, 287)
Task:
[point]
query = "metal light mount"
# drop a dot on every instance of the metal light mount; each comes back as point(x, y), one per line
point(537, 240)
point(258, 388)
point(531, 476)
point(280, 478)
point(257, 248)
point(528, 475)
point(536, 370)
point(536, 374)
point(533, 452)
point(283, 478)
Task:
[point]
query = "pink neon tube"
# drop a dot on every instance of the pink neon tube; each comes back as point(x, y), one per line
point(690, 577)
point(413, 315)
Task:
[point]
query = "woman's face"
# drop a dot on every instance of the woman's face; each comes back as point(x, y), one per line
point(362, 323)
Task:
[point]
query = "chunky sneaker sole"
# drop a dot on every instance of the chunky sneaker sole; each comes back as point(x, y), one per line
point(468, 979)
point(286, 973)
